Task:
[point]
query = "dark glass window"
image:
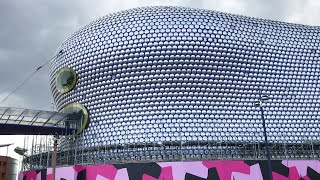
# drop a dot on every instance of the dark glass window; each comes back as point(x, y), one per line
point(66, 79)
point(78, 116)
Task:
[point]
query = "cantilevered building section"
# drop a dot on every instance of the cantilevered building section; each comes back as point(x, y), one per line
point(172, 83)
point(169, 74)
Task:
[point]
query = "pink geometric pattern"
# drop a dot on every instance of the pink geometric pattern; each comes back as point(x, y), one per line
point(106, 171)
point(179, 169)
point(302, 166)
point(121, 174)
point(224, 170)
point(255, 174)
point(166, 173)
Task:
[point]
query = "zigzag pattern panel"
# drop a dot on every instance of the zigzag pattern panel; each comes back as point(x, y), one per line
point(197, 170)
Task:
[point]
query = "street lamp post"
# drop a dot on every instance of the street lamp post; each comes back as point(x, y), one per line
point(259, 104)
point(54, 156)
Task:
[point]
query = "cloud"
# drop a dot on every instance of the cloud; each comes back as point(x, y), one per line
point(307, 13)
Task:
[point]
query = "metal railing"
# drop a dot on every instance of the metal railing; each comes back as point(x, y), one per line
point(41, 156)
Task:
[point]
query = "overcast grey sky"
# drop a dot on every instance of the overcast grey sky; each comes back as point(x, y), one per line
point(32, 30)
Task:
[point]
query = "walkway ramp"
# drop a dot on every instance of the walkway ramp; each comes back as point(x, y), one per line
point(19, 121)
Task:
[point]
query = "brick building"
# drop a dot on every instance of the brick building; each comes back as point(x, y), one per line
point(8, 168)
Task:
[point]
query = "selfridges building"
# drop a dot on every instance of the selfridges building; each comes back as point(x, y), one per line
point(159, 79)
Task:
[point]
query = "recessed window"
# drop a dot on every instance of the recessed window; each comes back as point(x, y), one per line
point(78, 116)
point(66, 79)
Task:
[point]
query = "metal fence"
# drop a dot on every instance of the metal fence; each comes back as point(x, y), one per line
point(40, 155)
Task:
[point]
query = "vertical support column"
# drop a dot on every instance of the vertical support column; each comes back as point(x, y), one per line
point(312, 148)
point(32, 153)
point(82, 148)
point(48, 150)
point(40, 152)
point(75, 149)
point(54, 157)
point(22, 157)
point(285, 150)
point(180, 134)
point(258, 149)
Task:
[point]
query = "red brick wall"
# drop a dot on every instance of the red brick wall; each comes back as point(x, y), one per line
point(4, 167)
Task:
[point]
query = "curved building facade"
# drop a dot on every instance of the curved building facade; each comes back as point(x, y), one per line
point(168, 74)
